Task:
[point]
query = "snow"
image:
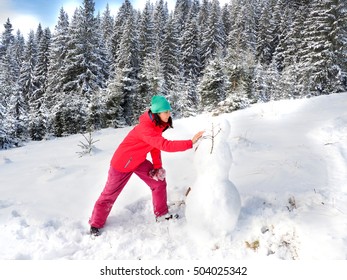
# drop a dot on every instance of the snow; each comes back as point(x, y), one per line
point(288, 163)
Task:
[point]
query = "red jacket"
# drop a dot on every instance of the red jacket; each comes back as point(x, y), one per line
point(144, 138)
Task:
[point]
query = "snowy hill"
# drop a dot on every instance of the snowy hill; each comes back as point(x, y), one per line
point(289, 164)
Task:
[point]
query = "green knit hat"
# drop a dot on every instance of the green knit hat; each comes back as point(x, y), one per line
point(159, 104)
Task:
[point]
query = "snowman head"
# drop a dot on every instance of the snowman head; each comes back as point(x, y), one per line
point(213, 153)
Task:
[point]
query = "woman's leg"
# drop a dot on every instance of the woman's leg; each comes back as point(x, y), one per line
point(115, 183)
point(159, 196)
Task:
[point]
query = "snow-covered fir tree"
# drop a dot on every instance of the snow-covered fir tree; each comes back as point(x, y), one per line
point(213, 37)
point(148, 63)
point(126, 10)
point(83, 73)
point(124, 80)
point(7, 38)
point(212, 85)
point(190, 47)
point(12, 48)
point(106, 28)
point(340, 42)
point(160, 18)
point(319, 72)
point(170, 58)
point(54, 93)
point(37, 121)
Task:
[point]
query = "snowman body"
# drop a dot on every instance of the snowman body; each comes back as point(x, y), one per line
point(213, 205)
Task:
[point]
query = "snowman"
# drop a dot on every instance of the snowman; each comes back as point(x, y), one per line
point(213, 204)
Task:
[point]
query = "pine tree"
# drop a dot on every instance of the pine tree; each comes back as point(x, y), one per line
point(239, 64)
point(319, 71)
point(293, 42)
point(96, 111)
point(282, 13)
point(213, 38)
point(226, 18)
point(8, 88)
point(4, 141)
point(173, 80)
point(180, 16)
point(339, 38)
point(126, 69)
point(54, 95)
point(9, 69)
point(106, 28)
point(10, 64)
point(212, 85)
point(7, 38)
point(115, 101)
point(170, 58)
point(146, 34)
point(239, 61)
point(203, 15)
point(37, 121)
point(124, 12)
point(190, 95)
point(190, 60)
point(181, 12)
point(42, 65)
point(26, 86)
point(18, 53)
point(245, 24)
point(85, 70)
point(22, 92)
point(58, 52)
point(268, 33)
point(160, 18)
point(148, 64)
point(17, 118)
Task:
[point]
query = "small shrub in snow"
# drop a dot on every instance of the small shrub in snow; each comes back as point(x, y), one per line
point(86, 146)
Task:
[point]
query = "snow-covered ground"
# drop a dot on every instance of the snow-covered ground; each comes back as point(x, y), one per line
point(289, 165)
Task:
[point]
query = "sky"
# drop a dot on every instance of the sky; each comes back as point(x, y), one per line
point(26, 15)
point(285, 161)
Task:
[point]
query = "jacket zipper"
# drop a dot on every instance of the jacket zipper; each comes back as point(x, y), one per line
point(128, 162)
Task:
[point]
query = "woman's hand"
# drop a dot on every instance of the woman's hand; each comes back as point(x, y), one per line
point(157, 174)
point(197, 136)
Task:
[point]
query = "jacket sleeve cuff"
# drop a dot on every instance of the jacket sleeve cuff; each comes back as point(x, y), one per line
point(156, 158)
point(157, 166)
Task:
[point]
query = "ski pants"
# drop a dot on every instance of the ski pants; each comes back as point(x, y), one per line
point(115, 183)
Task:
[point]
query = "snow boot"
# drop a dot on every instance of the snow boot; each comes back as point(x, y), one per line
point(166, 217)
point(94, 231)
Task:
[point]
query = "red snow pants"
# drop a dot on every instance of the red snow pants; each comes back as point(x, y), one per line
point(116, 181)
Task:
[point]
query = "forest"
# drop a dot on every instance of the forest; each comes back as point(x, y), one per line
point(96, 70)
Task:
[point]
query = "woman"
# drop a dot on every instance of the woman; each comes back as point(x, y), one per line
point(130, 157)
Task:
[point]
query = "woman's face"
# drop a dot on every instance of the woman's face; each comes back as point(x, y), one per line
point(164, 116)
